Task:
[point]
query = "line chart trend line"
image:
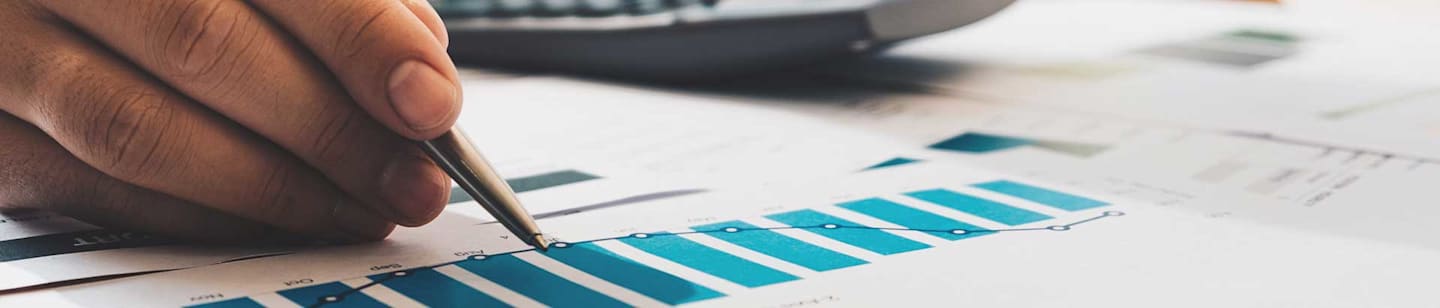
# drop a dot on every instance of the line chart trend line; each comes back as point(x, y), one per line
point(400, 274)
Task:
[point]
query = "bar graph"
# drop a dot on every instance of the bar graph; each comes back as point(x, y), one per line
point(691, 253)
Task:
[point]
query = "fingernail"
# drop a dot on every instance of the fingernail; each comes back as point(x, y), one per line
point(422, 96)
point(415, 188)
point(359, 224)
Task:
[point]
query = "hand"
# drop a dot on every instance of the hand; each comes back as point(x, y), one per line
point(226, 120)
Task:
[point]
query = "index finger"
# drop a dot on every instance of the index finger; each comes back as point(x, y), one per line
point(387, 58)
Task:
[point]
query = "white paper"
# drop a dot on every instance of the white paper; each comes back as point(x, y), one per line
point(690, 140)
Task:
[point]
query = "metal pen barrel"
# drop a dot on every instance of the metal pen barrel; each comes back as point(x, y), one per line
point(454, 153)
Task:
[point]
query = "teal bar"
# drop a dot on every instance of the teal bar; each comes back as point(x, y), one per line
point(243, 302)
point(979, 143)
point(709, 260)
point(537, 283)
point(627, 273)
point(1039, 195)
point(998, 212)
point(893, 162)
point(874, 240)
point(914, 219)
point(313, 295)
point(780, 246)
point(434, 289)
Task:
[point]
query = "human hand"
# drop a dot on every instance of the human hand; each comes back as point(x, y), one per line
point(226, 120)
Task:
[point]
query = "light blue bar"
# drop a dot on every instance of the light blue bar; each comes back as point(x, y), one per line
point(874, 240)
point(311, 295)
point(780, 246)
point(434, 289)
point(913, 218)
point(243, 302)
point(998, 212)
point(632, 275)
point(709, 260)
point(1039, 195)
point(536, 283)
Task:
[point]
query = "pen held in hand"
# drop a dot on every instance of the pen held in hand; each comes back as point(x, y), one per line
point(459, 158)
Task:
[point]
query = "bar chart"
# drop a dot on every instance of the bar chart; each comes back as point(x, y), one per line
point(712, 260)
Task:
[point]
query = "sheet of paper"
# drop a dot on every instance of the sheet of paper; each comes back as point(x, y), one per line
point(1253, 69)
point(899, 236)
point(690, 140)
point(1161, 163)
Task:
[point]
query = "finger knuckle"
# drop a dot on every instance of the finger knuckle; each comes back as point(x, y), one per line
point(333, 136)
point(56, 74)
point(133, 134)
point(352, 37)
point(203, 35)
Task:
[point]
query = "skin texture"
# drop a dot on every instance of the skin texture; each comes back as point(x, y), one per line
point(226, 120)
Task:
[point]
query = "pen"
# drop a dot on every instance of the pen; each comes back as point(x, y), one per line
point(454, 153)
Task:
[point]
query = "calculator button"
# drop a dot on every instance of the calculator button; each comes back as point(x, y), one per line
point(512, 8)
point(599, 8)
point(555, 8)
point(463, 8)
point(644, 7)
point(680, 4)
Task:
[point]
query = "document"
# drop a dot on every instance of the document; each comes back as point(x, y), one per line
point(907, 235)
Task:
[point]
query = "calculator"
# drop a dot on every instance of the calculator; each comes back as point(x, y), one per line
point(682, 40)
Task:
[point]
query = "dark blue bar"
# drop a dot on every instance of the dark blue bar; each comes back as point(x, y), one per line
point(632, 275)
point(312, 295)
point(243, 302)
point(434, 289)
point(987, 209)
point(1039, 195)
point(913, 218)
point(780, 246)
point(709, 260)
point(537, 283)
point(874, 240)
